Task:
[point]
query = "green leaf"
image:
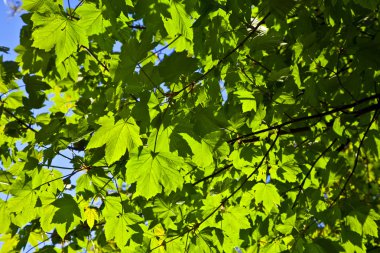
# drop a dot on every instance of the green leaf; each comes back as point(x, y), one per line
point(33, 5)
point(118, 138)
point(91, 19)
point(56, 31)
point(266, 194)
point(362, 223)
point(296, 76)
point(14, 100)
point(247, 99)
point(338, 129)
point(136, 126)
point(91, 215)
point(179, 26)
point(235, 219)
point(279, 75)
point(118, 227)
point(4, 217)
point(176, 65)
point(6, 180)
point(202, 151)
point(94, 181)
point(258, 118)
point(286, 99)
point(153, 171)
point(164, 210)
point(67, 214)
point(288, 224)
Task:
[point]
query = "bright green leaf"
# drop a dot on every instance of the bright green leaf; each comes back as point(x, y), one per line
point(153, 171)
point(118, 138)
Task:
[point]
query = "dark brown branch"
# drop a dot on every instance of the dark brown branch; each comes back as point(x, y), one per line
point(161, 49)
point(57, 167)
point(309, 172)
point(259, 63)
point(280, 132)
point(76, 7)
point(305, 118)
point(307, 128)
point(138, 27)
point(213, 174)
point(19, 120)
point(356, 159)
point(366, 110)
point(256, 86)
point(149, 78)
point(55, 179)
point(95, 57)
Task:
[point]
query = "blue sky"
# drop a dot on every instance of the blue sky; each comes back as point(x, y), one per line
point(9, 30)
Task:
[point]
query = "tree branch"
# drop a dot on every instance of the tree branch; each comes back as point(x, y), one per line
point(57, 167)
point(339, 109)
point(309, 172)
point(213, 174)
point(356, 159)
point(161, 49)
point(138, 27)
point(55, 179)
point(95, 57)
point(259, 63)
point(19, 120)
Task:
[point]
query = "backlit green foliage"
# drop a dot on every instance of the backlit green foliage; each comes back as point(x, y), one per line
point(192, 126)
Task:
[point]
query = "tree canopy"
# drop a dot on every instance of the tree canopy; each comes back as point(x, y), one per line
point(192, 126)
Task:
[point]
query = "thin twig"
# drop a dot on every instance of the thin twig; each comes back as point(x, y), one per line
point(227, 55)
point(305, 118)
point(356, 159)
point(19, 120)
point(30, 128)
point(149, 78)
point(38, 244)
point(161, 49)
point(95, 57)
point(55, 179)
point(213, 174)
point(309, 172)
point(336, 73)
point(259, 63)
point(57, 167)
point(138, 27)
point(76, 7)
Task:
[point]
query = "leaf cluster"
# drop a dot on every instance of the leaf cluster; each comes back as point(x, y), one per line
point(192, 126)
